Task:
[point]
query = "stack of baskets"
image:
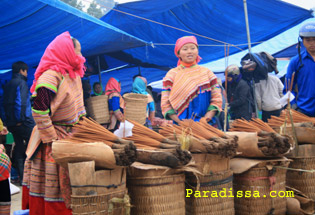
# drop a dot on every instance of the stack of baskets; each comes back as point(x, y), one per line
point(217, 178)
point(301, 175)
point(99, 193)
point(261, 180)
point(97, 108)
point(136, 107)
point(151, 193)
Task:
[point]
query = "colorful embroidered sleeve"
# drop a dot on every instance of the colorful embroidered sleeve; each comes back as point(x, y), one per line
point(216, 96)
point(47, 86)
point(166, 90)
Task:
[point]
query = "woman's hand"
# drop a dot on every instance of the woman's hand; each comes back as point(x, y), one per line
point(4, 131)
point(175, 118)
point(210, 114)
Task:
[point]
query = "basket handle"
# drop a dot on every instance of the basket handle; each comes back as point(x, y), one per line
point(125, 201)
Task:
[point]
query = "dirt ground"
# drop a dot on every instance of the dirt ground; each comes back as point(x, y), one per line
point(16, 201)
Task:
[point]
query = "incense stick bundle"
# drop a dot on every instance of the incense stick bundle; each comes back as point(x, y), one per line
point(216, 131)
point(297, 117)
point(87, 131)
point(65, 152)
point(164, 157)
point(262, 144)
point(145, 142)
point(195, 143)
point(198, 129)
point(273, 144)
point(144, 131)
point(90, 129)
point(254, 125)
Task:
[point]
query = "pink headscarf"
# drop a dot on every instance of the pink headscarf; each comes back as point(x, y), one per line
point(181, 42)
point(112, 86)
point(60, 57)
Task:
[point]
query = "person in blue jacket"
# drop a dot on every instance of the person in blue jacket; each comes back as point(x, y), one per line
point(18, 115)
point(303, 67)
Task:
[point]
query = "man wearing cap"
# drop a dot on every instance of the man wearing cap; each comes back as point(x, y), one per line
point(239, 95)
point(303, 67)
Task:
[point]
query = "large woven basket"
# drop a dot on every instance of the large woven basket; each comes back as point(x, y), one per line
point(303, 181)
point(97, 108)
point(136, 107)
point(210, 163)
point(209, 204)
point(158, 195)
point(104, 204)
point(264, 181)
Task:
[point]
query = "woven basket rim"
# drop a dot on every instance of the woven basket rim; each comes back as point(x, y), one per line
point(100, 195)
point(158, 177)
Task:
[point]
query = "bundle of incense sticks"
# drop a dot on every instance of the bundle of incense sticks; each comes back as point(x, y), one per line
point(198, 137)
point(153, 148)
point(88, 131)
point(254, 125)
point(284, 117)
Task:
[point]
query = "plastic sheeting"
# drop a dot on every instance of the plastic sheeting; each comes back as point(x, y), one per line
point(220, 20)
point(28, 26)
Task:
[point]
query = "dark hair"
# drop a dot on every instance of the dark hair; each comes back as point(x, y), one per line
point(134, 77)
point(96, 83)
point(74, 40)
point(17, 66)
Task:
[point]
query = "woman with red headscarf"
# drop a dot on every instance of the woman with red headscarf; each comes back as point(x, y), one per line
point(190, 90)
point(58, 105)
point(115, 103)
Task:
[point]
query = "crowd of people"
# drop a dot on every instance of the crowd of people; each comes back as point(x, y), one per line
point(190, 91)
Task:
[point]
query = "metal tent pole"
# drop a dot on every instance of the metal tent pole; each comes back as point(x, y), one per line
point(99, 69)
point(249, 50)
point(247, 26)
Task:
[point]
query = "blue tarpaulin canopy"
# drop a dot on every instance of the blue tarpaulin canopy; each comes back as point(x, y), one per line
point(218, 22)
point(28, 26)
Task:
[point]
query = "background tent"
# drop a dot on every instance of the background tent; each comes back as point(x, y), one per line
point(28, 26)
point(219, 22)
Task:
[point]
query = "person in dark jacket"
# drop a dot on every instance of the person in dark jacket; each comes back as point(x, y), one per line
point(239, 95)
point(18, 115)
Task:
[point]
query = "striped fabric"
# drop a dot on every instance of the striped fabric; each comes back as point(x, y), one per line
point(5, 164)
point(5, 208)
point(181, 85)
point(66, 107)
point(46, 184)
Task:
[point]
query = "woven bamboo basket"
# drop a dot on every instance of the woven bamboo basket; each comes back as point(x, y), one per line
point(104, 204)
point(97, 108)
point(303, 181)
point(210, 163)
point(264, 181)
point(157, 195)
point(136, 107)
point(208, 203)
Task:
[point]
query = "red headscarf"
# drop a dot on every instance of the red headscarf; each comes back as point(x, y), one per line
point(60, 57)
point(181, 42)
point(112, 86)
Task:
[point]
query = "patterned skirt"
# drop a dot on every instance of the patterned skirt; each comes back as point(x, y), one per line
point(46, 185)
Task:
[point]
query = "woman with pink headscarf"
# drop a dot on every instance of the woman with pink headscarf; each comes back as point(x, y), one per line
point(190, 90)
point(58, 105)
point(115, 103)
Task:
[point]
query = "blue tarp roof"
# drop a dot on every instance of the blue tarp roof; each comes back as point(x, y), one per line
point(28, 26)
point(217, 19)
